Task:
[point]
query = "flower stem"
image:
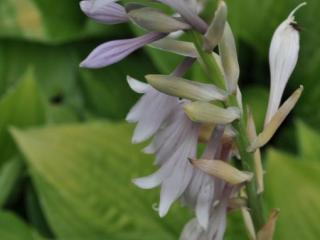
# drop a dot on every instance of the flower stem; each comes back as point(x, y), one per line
point(255, 201)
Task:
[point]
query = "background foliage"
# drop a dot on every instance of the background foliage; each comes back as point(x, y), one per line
point(66, 160)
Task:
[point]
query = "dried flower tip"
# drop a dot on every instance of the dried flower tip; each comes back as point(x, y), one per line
point(251, 129)
point(187, 89)
point(222, 170)
point(267, 232)
point(215, 31)
point(153, 20)
point(204, 112)
point(104, 11)
point(229, 58)
point(182, 48)
point(270, 129)
point(283, 57)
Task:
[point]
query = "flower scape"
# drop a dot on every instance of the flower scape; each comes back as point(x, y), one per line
point(180, 115)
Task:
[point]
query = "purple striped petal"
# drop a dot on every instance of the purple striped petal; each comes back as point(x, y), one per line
point(114, 51)
point(104, 11)
point(187, 13)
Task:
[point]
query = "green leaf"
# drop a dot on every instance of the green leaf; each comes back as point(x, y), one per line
point(47, 21)
point(21, 107)
point(82, 175)
point(10, 173)
point(12, 228)
point(55, 68)
point(292, 185)
point(308, 141)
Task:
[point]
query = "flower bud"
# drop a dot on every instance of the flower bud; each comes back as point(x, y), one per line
point(222, 170)
point(204, 112)
point(215, 31)
point(154, 20)
point(183, 88)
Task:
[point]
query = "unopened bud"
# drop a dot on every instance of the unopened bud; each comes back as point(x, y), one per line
point(215, 31)
point(184, 88)
point(154, 20)
point(222, 170)
point(204, 112)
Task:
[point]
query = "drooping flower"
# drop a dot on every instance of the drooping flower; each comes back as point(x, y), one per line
point(283, 57)
point(173, 145)
point(154, 107)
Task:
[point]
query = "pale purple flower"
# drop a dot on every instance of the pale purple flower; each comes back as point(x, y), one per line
point(104, 11)
point(114, 51)
point(217, 222)
point(154, 107)
point(176, 171)
point(150, 112)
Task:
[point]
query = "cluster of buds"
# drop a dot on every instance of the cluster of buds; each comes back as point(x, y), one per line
point(180, 115)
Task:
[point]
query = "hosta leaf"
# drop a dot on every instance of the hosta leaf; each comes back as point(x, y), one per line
point(292, 186)
point(82, 175)
point(12, 228)
point(10, 173)
point(308, 142)
point(55, 68)
point(22, 106)
point(46, 21)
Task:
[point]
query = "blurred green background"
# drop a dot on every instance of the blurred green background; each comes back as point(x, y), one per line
point(66, 160)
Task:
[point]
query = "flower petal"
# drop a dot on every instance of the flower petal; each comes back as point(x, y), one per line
point(283, 57)
point(114, 51)
point(137, 86)
point(204, 201)
point(104, 11)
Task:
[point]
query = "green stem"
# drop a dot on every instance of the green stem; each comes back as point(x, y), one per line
point(255, 201)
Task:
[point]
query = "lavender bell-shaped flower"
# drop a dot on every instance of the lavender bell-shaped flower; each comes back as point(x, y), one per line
point(104, 11)
point(176, 171)
point(154, 107)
